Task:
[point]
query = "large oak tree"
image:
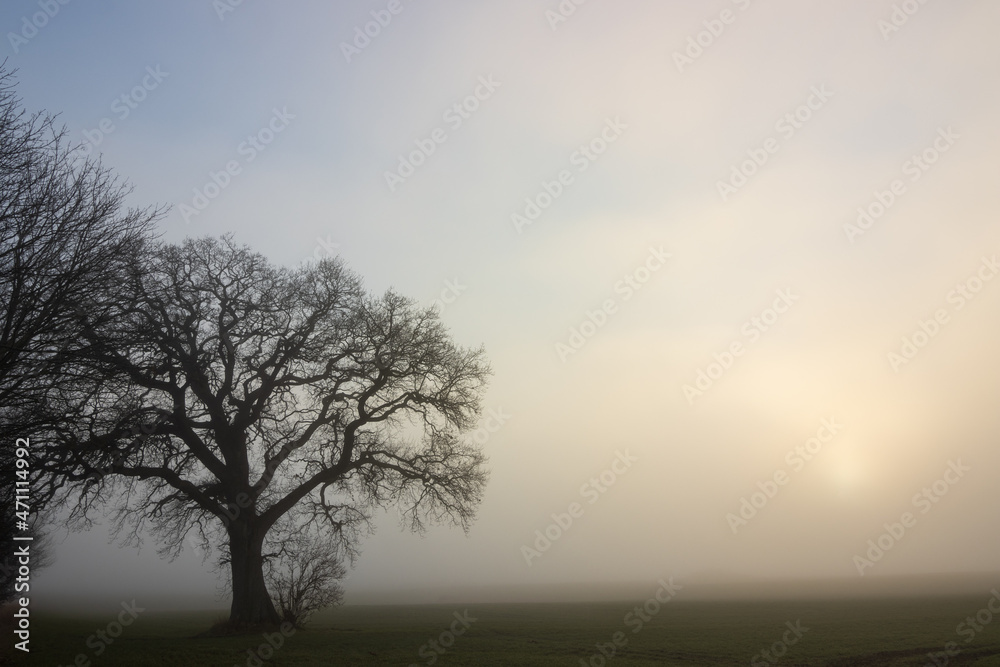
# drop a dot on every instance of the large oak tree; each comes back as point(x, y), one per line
point(218, 393)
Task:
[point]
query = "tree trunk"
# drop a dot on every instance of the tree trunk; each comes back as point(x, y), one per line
point(251, 603)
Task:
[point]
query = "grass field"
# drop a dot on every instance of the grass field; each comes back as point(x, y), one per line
point(833, 632)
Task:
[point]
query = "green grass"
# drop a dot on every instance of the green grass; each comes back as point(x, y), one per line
point(841, 633)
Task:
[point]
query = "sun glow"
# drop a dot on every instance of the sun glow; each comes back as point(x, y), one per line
point(847, 469)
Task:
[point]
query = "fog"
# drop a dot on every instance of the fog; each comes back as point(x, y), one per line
point(748, 386)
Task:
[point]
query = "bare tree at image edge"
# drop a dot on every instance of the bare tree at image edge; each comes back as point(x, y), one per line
point(274, 399)
point(64, 233)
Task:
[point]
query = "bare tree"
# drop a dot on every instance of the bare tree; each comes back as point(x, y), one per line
point(303, 575)
point(64, 232)
point(271, 395)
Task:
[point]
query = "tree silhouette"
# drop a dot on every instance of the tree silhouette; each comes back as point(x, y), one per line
point(64, 234)
point(270, 397)
point(303, 575)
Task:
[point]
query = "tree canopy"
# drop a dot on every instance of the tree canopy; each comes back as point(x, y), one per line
point(218, 393)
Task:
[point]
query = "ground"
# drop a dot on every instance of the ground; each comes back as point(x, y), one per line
point(837, 633)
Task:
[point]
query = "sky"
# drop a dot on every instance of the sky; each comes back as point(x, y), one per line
point(734, 263)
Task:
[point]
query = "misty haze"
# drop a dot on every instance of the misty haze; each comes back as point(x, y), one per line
point(503, 333)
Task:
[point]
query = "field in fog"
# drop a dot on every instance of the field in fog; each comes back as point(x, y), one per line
point(872, 631)
point(535, 332)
